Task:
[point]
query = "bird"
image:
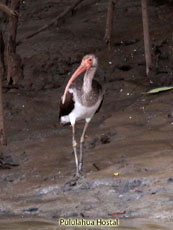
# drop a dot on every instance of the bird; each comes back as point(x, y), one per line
point(82, 98)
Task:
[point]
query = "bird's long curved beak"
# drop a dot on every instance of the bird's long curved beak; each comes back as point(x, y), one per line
point(80, 69)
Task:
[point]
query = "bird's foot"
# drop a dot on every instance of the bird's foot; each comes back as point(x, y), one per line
point(73, 181)
point(78, 174)
point(69, 184)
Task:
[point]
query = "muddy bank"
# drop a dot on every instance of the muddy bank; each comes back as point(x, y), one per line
point(135, 141)
point(131, 135)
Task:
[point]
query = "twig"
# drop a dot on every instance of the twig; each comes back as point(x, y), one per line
point(109, 22)
point(96, 167)
point(147, 44)
point(53, 22)
point(6, 165)
point(7, 10)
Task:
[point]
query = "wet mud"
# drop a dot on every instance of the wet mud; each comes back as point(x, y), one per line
point(128, 156)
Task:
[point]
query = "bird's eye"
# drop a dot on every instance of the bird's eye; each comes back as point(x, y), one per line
point(90, 60)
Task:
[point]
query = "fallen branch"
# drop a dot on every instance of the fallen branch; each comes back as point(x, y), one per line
point(53, 22)
point(7, 10)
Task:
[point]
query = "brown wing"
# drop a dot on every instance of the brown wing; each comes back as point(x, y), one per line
point(67, 107)
point(99, 105)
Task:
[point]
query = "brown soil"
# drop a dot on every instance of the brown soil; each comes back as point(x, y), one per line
point(131, 135)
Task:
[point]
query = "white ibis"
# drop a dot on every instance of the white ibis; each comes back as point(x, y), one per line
point(81, 100)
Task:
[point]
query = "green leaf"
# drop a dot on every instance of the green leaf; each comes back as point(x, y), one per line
point(160, 89)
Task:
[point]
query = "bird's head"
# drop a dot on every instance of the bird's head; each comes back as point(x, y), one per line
point(88, 61)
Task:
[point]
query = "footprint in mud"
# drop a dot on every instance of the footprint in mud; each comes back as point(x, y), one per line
point(96, 141)
point(103, 139)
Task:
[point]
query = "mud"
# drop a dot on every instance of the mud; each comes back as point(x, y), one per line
point(131, 135)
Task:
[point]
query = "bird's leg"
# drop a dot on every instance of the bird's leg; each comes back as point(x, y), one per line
point(74, 144)
point(81, 146)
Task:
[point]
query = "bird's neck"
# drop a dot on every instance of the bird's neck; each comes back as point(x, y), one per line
point(88, 78)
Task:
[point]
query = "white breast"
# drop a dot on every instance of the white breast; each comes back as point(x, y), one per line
point(80, 112)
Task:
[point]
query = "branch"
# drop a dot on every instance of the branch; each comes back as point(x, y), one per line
point(7, 10)
point(53, 22)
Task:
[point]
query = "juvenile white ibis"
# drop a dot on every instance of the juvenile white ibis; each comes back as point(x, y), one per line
point(81, 100)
